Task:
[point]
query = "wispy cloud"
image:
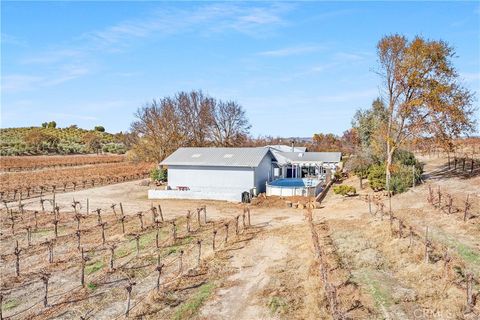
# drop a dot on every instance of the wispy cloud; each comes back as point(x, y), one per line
point(289, 51)
point(64, 62)
point(12, 40)
point(204, 19)
point(15, 83)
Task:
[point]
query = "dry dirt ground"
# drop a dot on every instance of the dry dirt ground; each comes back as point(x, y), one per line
point(270, 271)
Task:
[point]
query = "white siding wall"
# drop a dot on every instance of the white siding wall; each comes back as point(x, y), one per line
point(229, 179)
point(262, 173)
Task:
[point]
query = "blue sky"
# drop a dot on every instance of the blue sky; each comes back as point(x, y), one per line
point(298, 68)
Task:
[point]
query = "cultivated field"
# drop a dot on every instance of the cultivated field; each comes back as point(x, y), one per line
point(352, 258)
point(26, 177)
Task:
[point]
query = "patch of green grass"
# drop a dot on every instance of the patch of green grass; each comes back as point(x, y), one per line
point(121, 253)
point(94, 267)
point(43, 232)
point(92, 286)
point(277, 304)
point(10, 304)
point(189, 308)
point(375, 287)
point(466, 252)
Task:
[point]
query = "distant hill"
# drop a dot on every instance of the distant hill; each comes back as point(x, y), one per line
point(48, 140)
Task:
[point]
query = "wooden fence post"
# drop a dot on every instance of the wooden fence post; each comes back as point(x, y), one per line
point(88, 206)
point(113, 208)
point(160, 212)
point(121, 209)
point(122, 220)
point(205, 213)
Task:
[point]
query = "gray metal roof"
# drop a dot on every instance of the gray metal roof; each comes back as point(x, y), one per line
point(223, 157)
point(309, 156)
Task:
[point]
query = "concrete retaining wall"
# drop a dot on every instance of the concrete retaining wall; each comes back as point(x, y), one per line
point(233, 195)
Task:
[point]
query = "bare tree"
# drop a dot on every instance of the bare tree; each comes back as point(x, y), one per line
point(231, 126)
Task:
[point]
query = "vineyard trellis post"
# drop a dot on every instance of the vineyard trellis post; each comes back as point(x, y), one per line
point(427, 246)
point(159, 270)
point(470, 294)
point(17, 252)
point(199, 244)
point(236, 225)
point(140, 217)
point(129, 288)
point(36, 219)
point(198, 217)
point(78, 234)
point(188, 221)
point(137, 241)
point(160, 212)
point(180, 262)
point(213, 241)
point(226, 233)
point(45, 277)
point(467, 207)
point(29, 235)
point(112, 257)
point(122, 220)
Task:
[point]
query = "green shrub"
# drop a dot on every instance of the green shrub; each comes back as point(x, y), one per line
point(376, 177)
point(345, 190)
point(158, 174)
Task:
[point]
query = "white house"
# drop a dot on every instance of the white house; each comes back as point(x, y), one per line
point(226, 173)
point(216, 173)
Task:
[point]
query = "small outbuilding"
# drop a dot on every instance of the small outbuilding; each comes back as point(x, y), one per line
point(216, 173)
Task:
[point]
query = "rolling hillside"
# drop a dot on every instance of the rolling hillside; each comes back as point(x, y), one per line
point(71, 140)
